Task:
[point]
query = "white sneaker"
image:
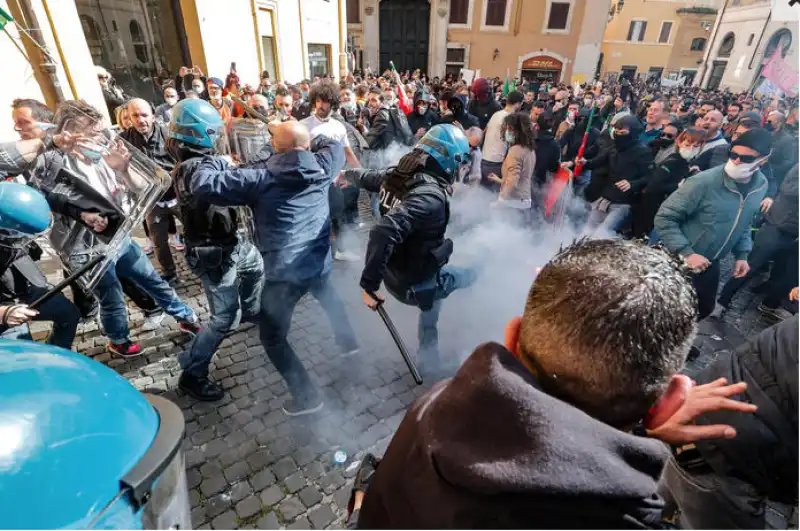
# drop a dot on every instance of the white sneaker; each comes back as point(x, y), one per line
point(345, 256)
point(176, 242)
point(153, 322)
point(148, 247)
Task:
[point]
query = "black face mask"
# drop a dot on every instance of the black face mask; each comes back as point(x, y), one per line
point(769, 126)
point(623, 141)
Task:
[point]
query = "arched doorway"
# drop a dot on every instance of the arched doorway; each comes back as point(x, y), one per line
point(404, 34)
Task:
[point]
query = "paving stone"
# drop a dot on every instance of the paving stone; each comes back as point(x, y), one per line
point(214, 448)
point(260, 459)
point(321, 516)
point(226, 520)
point(284, 468)
point(272, 495)
point(291, 508)
point(237, 471)
point(218, 504)
point(198, 516)
point(262, 479)
point(314, 470)
point(332, 481)
point(295, 482)
point(342, 497)
point(240, 491)
point(248, 507)
point(300, 523)
point(211, 486)
point(270, 521)
point(211, 469)
point(303, 456)
point(193, 478)
point(310, 496)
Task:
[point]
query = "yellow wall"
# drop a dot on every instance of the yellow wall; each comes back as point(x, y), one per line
point(524, 36)
point(681, 56)
point(649, 53)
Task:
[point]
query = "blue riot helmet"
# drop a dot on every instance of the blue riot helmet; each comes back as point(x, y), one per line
point(196, 123)
point(448, 145)
point(81, 448)
point(23, 210)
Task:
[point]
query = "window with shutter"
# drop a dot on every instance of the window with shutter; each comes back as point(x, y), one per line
point(459, 11)
point(559, 14)
point(496, 12)
point(666, 30)
point(353, 11)
point(636, 30)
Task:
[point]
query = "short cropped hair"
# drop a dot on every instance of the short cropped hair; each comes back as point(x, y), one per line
point(39, 110)
point(609, 322)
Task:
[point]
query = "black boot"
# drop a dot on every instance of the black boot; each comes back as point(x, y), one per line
point(200, 388)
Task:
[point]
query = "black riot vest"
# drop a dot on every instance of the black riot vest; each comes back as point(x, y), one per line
point(420, 256)
point(204, 224)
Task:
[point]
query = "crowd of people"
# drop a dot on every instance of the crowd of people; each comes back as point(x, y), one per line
point(661, 184)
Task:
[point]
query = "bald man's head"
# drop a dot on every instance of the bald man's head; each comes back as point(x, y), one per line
point(711, 123)
point(290, 136)
point(141, 114)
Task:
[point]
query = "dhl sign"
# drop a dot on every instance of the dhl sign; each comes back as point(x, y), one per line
point(541, 62)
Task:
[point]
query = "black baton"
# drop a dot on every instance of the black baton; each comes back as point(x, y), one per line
point(66, 282)
point(397, 339)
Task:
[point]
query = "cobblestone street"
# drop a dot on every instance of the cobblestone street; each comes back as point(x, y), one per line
point(249, 465)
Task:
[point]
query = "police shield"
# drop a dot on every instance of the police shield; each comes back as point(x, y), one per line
point(100, 191)
point(248, 138)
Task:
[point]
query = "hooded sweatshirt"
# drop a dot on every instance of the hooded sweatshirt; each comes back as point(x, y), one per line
point(483, 106)
point(418, 121)
point(489, 449)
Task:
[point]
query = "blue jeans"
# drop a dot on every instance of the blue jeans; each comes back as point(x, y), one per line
point(427, 296)
point(133, 264)
point(278, 300)
point(609, 221)
point(232, 283)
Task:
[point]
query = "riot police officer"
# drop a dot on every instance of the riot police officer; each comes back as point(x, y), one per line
point(229, 265)
point(407, 249)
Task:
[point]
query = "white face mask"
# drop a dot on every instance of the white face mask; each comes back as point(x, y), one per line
point(689, 153)
point(741, 173)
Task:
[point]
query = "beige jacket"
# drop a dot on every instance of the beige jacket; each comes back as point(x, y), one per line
point(517, 171)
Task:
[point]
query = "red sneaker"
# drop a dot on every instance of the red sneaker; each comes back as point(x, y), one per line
point(190, 329)
point(126, 349)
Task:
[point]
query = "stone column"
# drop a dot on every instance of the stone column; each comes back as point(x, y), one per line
point(372, 38)
point(437, 37)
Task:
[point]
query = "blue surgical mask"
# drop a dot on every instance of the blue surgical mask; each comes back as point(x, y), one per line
point(92, 154)
point(44, 126)
point(510, 138)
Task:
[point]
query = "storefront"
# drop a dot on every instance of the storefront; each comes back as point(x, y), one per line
point(141, 43)
point(319, 60)
point(542, 68)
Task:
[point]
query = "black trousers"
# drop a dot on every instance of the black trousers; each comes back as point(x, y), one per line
point(706, 284)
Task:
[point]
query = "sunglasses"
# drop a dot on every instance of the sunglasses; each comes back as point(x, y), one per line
point(744, 158)
point(667, 136)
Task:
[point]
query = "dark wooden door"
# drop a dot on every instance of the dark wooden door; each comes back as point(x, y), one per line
point(404, 34)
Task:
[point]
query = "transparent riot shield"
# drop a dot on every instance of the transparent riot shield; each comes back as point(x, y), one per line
point(248, 139)
point(100, 191)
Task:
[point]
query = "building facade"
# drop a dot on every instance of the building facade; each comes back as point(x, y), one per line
point(556, 40)
point(746, 33)
point(657, 38)
point(143, 43)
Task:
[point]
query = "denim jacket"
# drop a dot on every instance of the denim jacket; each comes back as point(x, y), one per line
point(288, 195)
